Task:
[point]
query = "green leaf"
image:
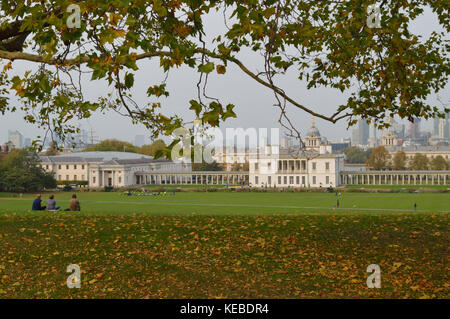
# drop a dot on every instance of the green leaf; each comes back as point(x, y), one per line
point(129, 80)
point(206, 68)
point(197, 107)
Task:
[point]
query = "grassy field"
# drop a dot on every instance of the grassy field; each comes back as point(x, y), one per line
point(217, 203)
point(234, 245)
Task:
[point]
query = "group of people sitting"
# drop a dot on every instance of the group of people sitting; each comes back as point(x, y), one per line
point(74, 204)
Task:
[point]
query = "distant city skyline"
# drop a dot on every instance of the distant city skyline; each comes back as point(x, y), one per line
point(88, 135)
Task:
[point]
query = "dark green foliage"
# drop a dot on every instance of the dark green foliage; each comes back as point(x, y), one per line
point(20, 172)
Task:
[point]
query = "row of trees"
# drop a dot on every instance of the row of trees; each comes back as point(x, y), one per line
point(355, 155)
point(121, 146)
point(381, 159)
point(20, 172)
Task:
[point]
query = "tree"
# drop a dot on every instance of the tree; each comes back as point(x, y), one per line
point(326, 43)
point(379, 158)
point(439, 163)
point(20, 172)
point(52, 150)
point(113, 146)
point(240, 167)
point(419, 162)
point(214, 166)
point(153, 148)
point(355, 155)
point(399, 161)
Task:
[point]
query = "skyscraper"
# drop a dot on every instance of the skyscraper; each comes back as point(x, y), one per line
point(414, 129)
point(444, 128)
point(16, 138)
point(398, 129)
point(372, 135)
point(436, 127)
point(360, 134)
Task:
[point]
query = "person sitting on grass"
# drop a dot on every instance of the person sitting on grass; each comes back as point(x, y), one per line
point(74, 204)
point(51, 203)
point(37, 203)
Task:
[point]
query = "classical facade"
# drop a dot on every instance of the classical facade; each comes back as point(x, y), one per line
point(115, 169)
point(279, 168)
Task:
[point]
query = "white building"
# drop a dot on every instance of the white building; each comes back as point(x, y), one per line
point(116, 169)
point(316, 166)
point(286, 169)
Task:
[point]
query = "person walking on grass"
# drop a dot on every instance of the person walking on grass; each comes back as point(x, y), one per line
point(51, 203)
point(37, 203)
point(415, 206)
point(74, 204)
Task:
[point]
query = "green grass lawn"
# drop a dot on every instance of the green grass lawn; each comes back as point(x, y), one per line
point(234, 245)
point(219, 203)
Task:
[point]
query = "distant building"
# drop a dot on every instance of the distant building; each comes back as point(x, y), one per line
point(414, 129)
point(360, 134)
point(15, 138)
point(436, 127)
point(115, 169)
point(372, 141)
point(287, 169)
point(444, 128)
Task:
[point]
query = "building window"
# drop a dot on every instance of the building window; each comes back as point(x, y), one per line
point(74, 177)
point(82, 166)
point(291, 179)
point(314, 180)
point(46, 166)
point(82, 177)
point(120, 179)
point(303, 180)
point(67, 177)
point(67, 166)
point(75, 167)
point(256, 166)
point(279, 179)
point(297, 180)
point(269, 179)
point(93, 180)
point(314, 166)
point(327, 166)
point(327, 179)
point(59, 177)
point(280, 166)
point(256, 180)
point(285, 180)
point(59, 166)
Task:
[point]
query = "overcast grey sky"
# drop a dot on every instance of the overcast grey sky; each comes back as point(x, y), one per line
point(254, 103)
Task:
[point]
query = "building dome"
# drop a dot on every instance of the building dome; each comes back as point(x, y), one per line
point(313, 131)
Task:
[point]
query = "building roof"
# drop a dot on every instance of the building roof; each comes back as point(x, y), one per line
point(313, 130)
point(105, 158)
